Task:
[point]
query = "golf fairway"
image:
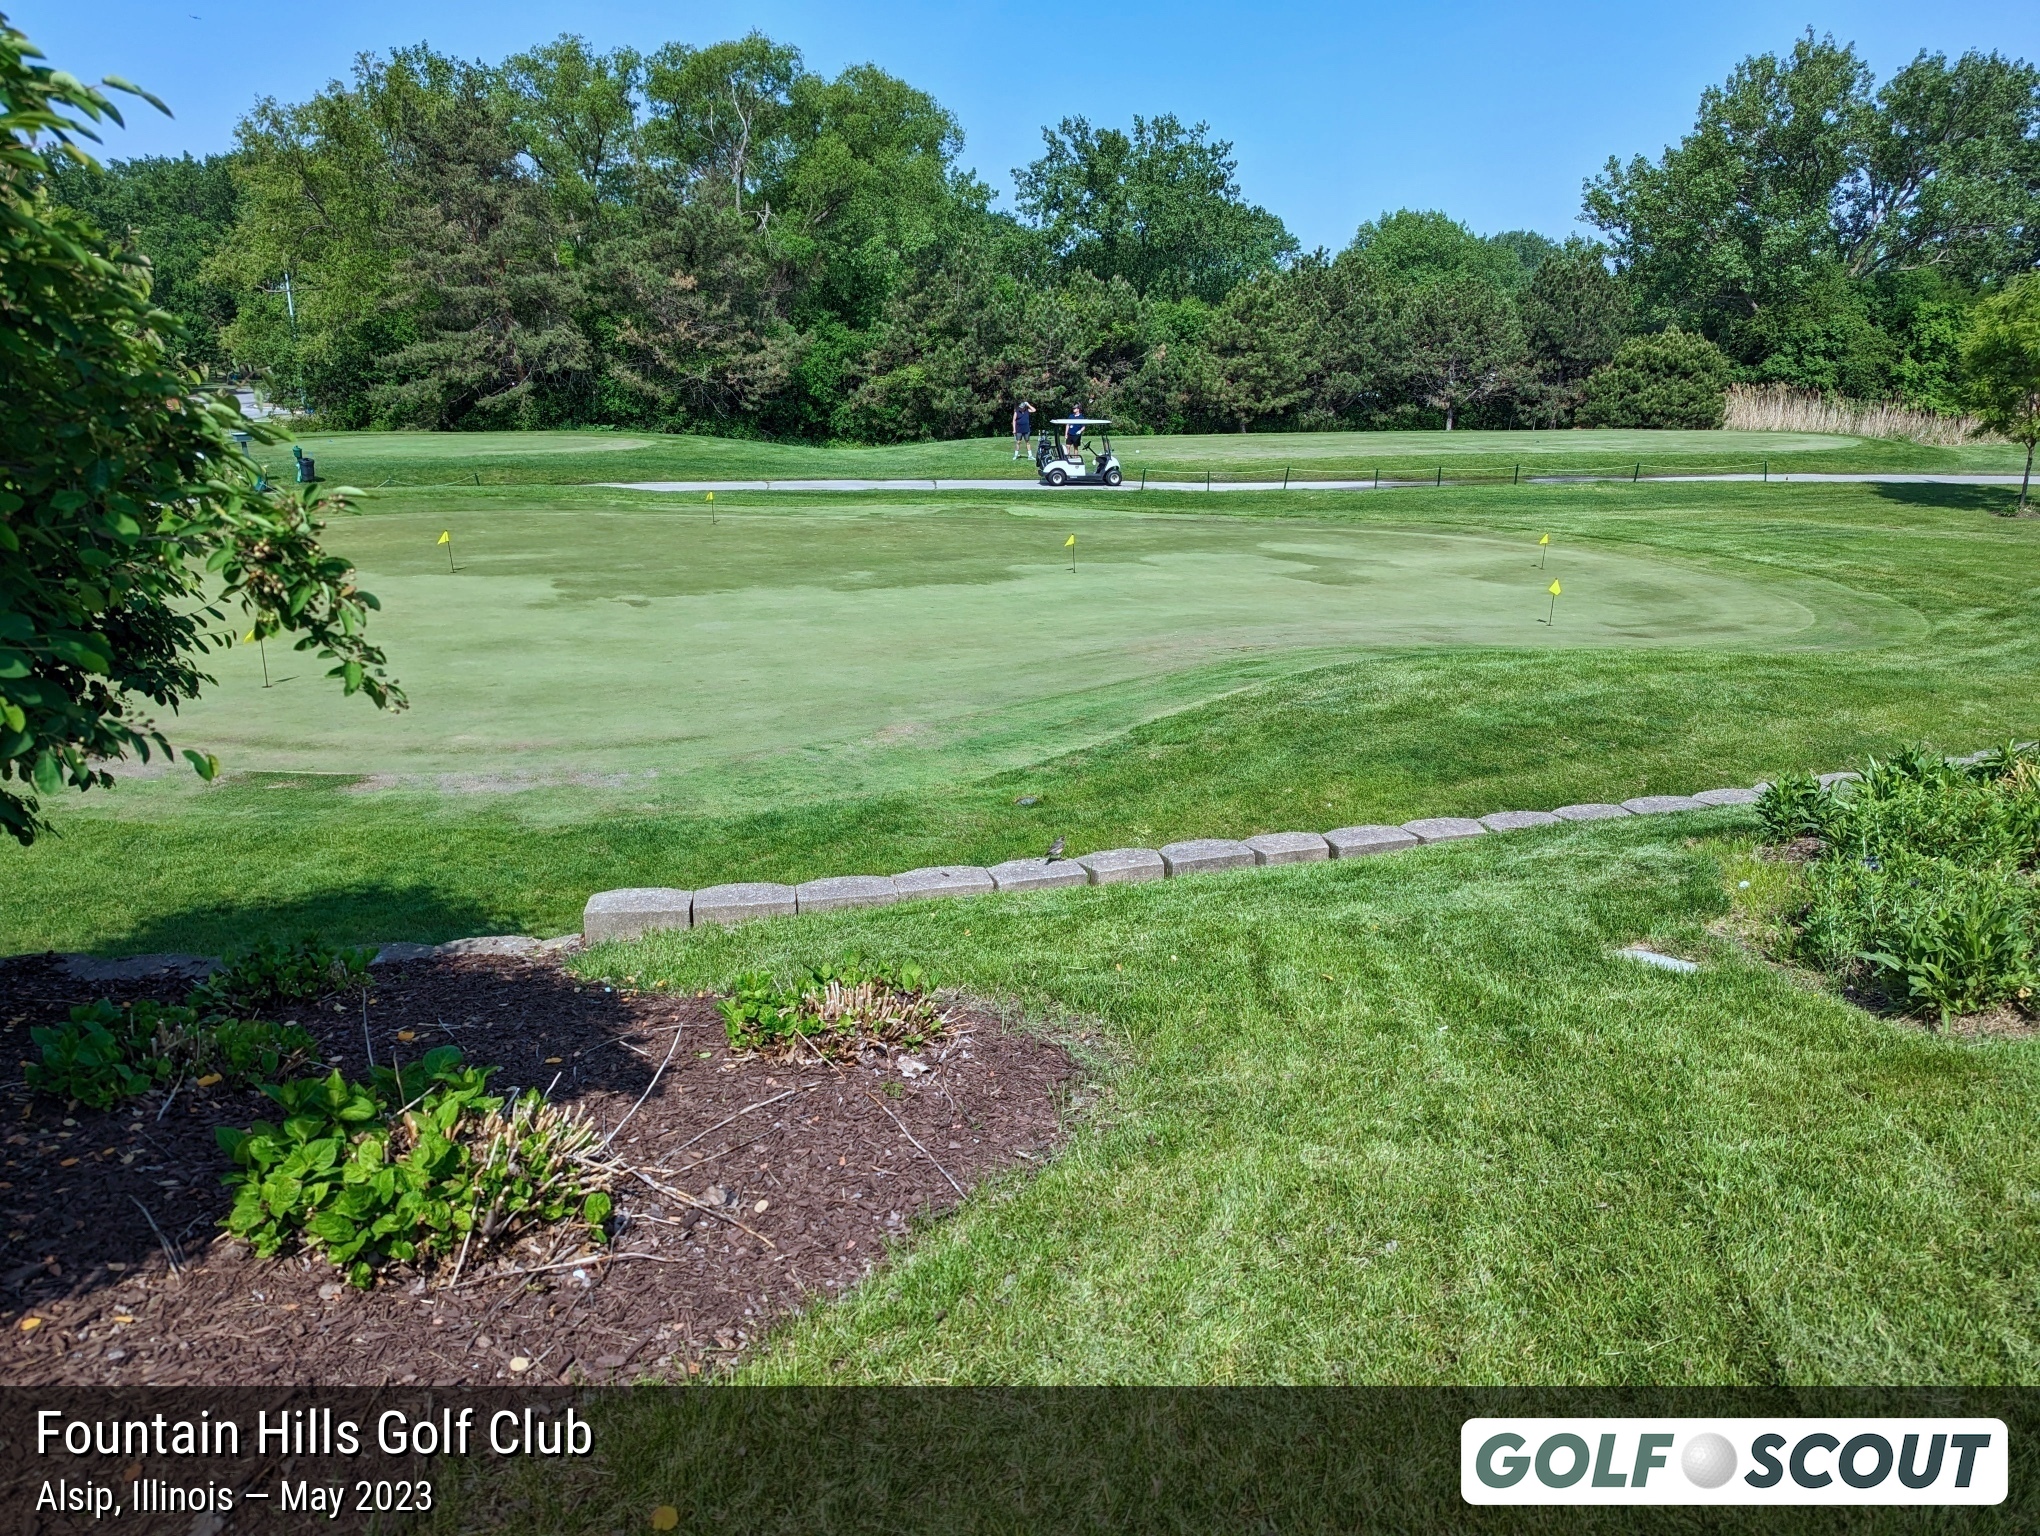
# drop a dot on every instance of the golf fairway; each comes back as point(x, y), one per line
point(883, 643)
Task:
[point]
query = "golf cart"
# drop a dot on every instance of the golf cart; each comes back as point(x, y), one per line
point(1063, 465)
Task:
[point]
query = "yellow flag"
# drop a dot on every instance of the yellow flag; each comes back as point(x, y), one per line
point(1070, 542)
point(711, 495)
point(1554, 589)
point(1545, 540)
point(250, 636)
point(446, 538)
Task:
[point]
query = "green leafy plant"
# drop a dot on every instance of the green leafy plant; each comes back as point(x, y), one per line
point(408, 1165)
point(835, 1009)
point(275, 972)
point(93, 1059)
point(1926, 887)
point(1796, 805)
point(106, 1052)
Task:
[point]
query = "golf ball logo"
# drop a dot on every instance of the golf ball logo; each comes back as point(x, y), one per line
point(1734, 1461)
point(1708, 1460)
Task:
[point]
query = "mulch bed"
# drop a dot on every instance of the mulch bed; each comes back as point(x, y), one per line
point(815, 1161)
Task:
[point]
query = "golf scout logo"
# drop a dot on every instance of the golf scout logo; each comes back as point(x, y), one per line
point(1733, 1461)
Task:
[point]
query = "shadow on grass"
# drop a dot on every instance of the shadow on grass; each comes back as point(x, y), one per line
point(1999, 499)
point(368, 913)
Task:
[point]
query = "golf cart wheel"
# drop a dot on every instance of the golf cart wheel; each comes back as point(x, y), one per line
point(1113, 476)
point(1058, 476)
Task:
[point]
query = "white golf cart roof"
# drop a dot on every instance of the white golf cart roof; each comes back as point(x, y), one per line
point(1080, 421)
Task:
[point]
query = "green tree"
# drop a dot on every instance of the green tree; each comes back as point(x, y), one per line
point(575, 113)
point(2002, 362)
point(1803, 187)
point(176, 213)
point(129, 521)
point(1575, 314)
point(1667, 380)
point(1464, 346)
point(720, 114)
point(484, 275)
point(1158, 207)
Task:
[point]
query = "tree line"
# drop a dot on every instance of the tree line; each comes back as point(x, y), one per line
point(721, 239)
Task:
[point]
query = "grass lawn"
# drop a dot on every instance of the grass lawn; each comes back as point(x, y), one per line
point(577, 457)
point(1200, 675)
point(1405, 1120)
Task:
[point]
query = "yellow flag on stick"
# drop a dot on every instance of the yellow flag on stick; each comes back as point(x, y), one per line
point(1551, 617)
point(1543, 550)
point(446, 538)
point(711, 495)
point(1545, 540)
point(245, 639)
point(1070, 542)
point(1553, 589)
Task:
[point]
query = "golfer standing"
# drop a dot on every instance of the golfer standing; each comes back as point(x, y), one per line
point(1023, 428)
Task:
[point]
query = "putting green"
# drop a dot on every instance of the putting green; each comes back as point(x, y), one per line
point(850, 645)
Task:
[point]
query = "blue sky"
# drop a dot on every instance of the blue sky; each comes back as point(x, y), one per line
point(1492, 112)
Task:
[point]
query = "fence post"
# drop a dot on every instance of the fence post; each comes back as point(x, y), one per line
point(1767, 471)
point(1516, 476)
point(1285, 477)
point(1143, 477)
point(1207, 479)
point(1441, 475)
point(1637, 473)
point(1377, 476)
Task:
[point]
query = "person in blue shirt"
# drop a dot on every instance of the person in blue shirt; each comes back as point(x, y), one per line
point(1023, 428)
point(1073, 435)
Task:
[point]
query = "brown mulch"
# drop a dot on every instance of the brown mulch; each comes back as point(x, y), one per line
point(810, 1159)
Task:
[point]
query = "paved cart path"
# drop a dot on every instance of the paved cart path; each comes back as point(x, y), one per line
point(1278, 485)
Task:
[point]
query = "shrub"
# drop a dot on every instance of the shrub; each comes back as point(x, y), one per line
point(1926, 888)
point(107, 1052)
point(274, 973)
point(835, 1009)
point(410, 1164)
point(1670, 379)
point(1796, 805)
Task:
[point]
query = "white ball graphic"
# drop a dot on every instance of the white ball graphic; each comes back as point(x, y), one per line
point(1708, 1461)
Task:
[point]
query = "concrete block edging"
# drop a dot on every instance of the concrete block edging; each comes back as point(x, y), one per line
point(623, 914)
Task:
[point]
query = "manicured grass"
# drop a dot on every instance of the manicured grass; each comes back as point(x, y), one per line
point(1923, 610)
point(527, 458)
point(1406, 1120)
point(884, 642)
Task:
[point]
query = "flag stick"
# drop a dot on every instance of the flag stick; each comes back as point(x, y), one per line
point(449, 557)
point(1552, 617)
point(263, 646)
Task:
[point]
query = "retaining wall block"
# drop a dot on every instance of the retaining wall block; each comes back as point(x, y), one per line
point(943, 880)
point(1037, 874)
point(1589, 812)
point(741, 902)
point(1830, 780)
point(1727, 797)
point(1358, 842)
point(1289, 847)
point(1123, 866)
point(1203, 855)
point(1442, 829)
point(835, 891)
point(1660, 805)
point(1516, 821)
point(626, 914)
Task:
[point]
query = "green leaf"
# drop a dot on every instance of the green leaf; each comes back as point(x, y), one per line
point(204, 764)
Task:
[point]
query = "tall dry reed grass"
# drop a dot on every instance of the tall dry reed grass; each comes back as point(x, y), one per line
point(1777, 408)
